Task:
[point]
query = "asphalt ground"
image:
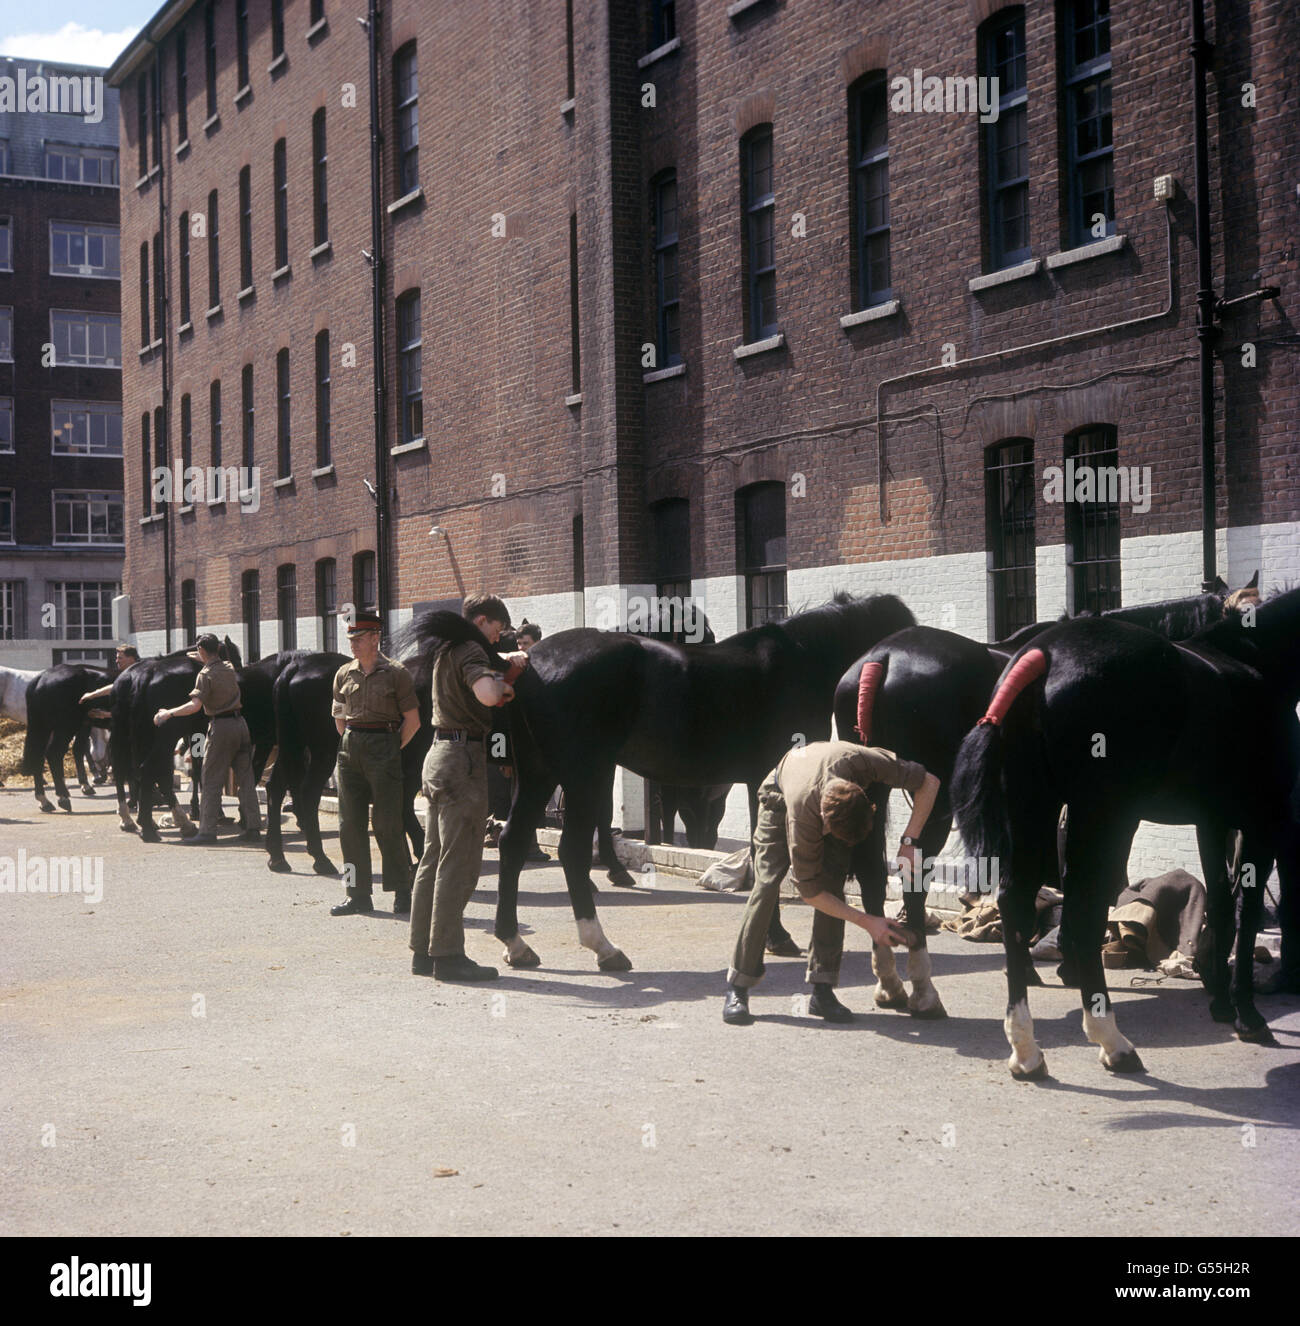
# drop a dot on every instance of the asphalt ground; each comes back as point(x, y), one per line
point(206, 1051)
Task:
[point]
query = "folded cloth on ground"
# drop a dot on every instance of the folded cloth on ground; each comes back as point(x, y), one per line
point(733, 874)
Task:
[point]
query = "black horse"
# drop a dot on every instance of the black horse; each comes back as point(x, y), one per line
point(1120, 725)
point(918, 693)
point(56, 718)
point(680, 714)
point(142, 753)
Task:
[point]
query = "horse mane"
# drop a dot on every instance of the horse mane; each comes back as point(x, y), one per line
point(1175, 619)
point(814, 628)
point(431, 632)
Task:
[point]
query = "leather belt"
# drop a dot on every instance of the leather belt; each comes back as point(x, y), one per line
point(372, 727)
point(230, 713)
point(455, 734)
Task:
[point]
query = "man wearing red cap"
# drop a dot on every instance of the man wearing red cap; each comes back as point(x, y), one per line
point(376, 712)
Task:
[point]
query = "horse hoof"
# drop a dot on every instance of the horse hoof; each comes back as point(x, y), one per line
point(525, 959)
point(620, 879)
point(150, 836)
point(935, 1014)
point(898, 1001)
point(1222, 1011)
point(1068, 977)
point(46, 808)
point(1128, 1062)
point(87, 790)
point(65, 803)
point(1254, 1035)
point(617, 961)
point(279, 865)
point(785, 948)
point(1036, 1074)
point(322, 866)
point(1031, 975)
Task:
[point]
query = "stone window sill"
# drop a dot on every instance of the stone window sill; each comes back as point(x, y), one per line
point(282, 483)
point(574, 400)
point(213, 312)
point(282, 273)
point(182, 147)
point(759, 347)
point(1111, 244)
point(663, 374)
point(321, 471)
point(144, 180)
point(212, 123)
point(247, 495)
point(406, 200)
point(402, 448)
point(740, 7)
point(568, 105)
point(319, 251)
point(243, 95)
point(652, 57)
point(184, 330)
point(216, 502)
point(151, 520)
point(187, 510)
point(872, 314)
point(246, 294)
point(277, 64)
point(318, 29)
point(1019, 272)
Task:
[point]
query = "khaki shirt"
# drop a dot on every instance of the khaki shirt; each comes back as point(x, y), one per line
point(455, 705)
point(818, 860)
point(216, 688)
point(382, 697)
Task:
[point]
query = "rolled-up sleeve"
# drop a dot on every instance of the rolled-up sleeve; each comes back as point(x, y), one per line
point(202, 691)
point(474, 665)
point(882, 766)
point(337, 708)
point(807, 853)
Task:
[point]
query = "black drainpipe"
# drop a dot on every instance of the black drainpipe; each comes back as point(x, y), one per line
point(383, 575)
point(1207, 331)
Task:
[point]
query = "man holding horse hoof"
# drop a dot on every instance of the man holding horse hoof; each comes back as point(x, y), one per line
point(812, 808)
point(376, 713)
point(465, 689)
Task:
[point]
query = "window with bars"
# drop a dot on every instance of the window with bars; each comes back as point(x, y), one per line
point(1010, 493)
point(1090, 164)
point(187, 434)
point(672, 548)
point(281, 204)
point(6, 244)
point(214, 253)
point(85, 428)
point(667, 291)
point(189, 610)
point(364, 586)
point(145, 303)
point(182, 88)
point(6, 335)
point(93, 340)
point(246, 387)
point(406, 97)
point(13, 599)
point(283, 426)
point(246, 228)
point(410, 394)
point(761, 527)
point(320, 208)
point(241, 43)
point(1006, 140)
point(214, 422)
point(83, 610)
point(87, 517)
point(286, 604)
point(6, 515)
point(327, 604)
point(871, 190)
point(159, 288)
point(7, 425)
point(322, 399)
point(1092, 529)
point(760, 232)
point(210, 55)
point(183, 263)
point(146, 466)
point(250, 598)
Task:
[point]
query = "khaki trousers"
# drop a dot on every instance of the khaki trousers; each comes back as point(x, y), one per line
point(455, 781)
point(369, 778)
point(228, 748)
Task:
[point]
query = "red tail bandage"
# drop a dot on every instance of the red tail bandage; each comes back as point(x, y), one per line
point(868, 684)
point(1028, 667)
point(513, 672)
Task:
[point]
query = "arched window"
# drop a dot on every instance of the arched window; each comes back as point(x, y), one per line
point(1010, 512)
point(869, 120)
point(760, 232)
point(668, 335)
point(1090, 155)
point(1006, 140)
point(1092, 526)
point(327, 604)
point(762, 548)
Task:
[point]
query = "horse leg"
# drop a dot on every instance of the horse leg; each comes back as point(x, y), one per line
point(924, 1001)
point(615, 871)
point(581, 809)
point(1257, 865)
point(869, 870)
point(38, 778)
point(57, 751)
point(1210, 837)
point(80, 744)
point(121, 778)
point(527, 807)
point(306, 802)
point(274, 800)
point(148, 779)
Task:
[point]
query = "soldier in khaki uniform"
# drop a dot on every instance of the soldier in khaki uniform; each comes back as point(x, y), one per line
point(812, 807)
point(465, 690)
point(376, 712)
point(228, 744)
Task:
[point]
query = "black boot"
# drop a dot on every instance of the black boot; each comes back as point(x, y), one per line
point(356, 905)
point(421, 964)
point(461, 968)
point(825, 1004)
point(735, 1011)
point(402, 902)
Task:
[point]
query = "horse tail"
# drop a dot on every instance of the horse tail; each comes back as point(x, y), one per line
point(981, 804)
point(34, 742)
point(289, 741)
point(873, 674)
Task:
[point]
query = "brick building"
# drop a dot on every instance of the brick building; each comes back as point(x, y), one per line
point(735, 297)
point(61, 545)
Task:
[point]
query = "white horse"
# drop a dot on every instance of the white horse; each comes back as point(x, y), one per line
point(13, 692)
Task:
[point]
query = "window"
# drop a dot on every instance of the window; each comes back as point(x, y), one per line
point(183, 259)
point(155, 110)
point(663, 22)
point(1006, 140)
point(320, 214)
point(83, 610)
point(6, 336)
point(410, 395)
point(210, 55)
point(85, 428)
point(245, 228)
point(161, 462)
point(1009, 497)
point(277, 29)
point(86, 518)
point(214, 254)
point(251, 605)
point(93, 340)
point(317, 13)
point(282, 417)
point(146, 468)
point(568, 49)
point(80, 165)
point(6, 245)
point(13, 605)
point(406, 94)
point(78, 248)
point(327, 604)
point(575, 331)
point(142, 122)
point(322, 399)
point(145, 305)
point(286, 605)
point(4, 156)
point(214, 422)
point(579, 556)
point(246, 383)
point(1090, 165)
point(871, 191)
point(189, 610)
point(364, 594)
point(241, 42)
point(187, 434)
point(159, 288)
point(6, 515)
point(762, 552)
point(1092, 529)
point(672, 548)
point(182, 89)
point(760, 237)
point(281, 205)
point(667, 295)
point(6, 424)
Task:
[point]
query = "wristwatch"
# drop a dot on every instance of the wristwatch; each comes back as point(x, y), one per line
point(906, 841)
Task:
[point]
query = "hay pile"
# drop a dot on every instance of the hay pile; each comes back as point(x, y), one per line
point(12, 735)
